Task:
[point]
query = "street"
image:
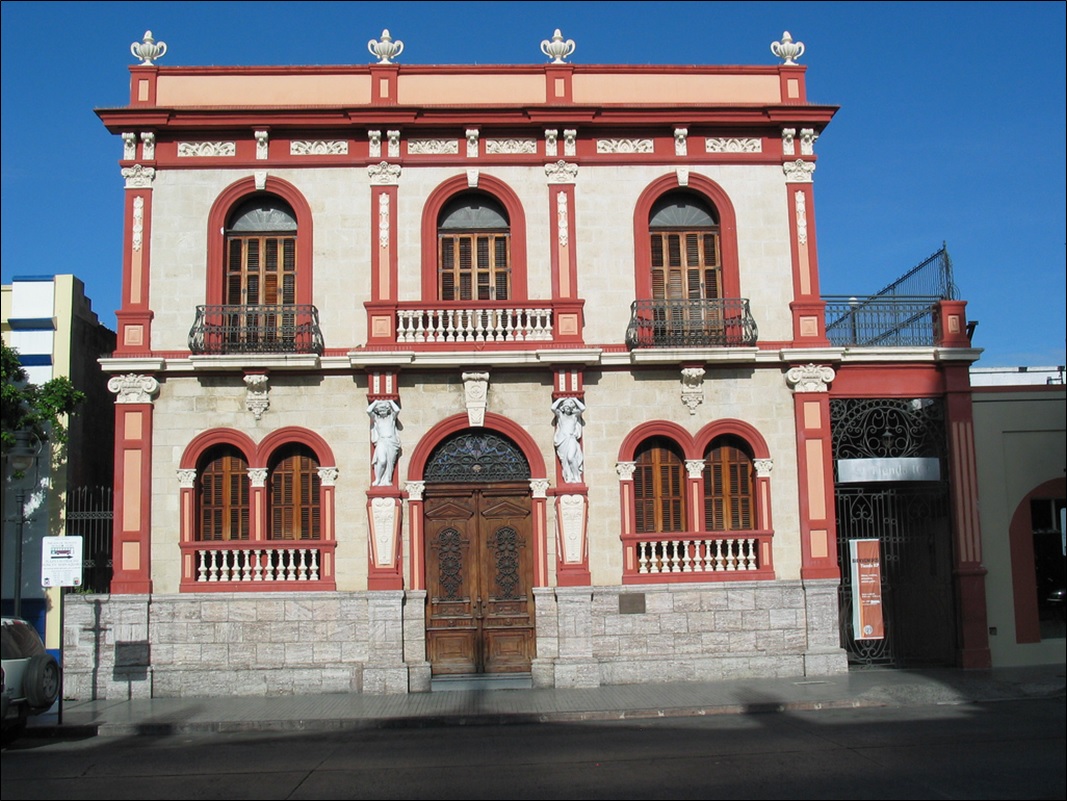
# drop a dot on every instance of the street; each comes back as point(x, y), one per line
point(1007, 749)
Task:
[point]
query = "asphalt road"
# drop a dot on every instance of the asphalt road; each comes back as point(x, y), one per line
point(1006, 749)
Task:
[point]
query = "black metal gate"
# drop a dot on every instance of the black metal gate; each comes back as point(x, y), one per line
point(912, 523)
point(89, 515)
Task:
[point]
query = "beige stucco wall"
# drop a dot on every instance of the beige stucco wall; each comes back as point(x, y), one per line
point(340, 199)
point(1020, 443)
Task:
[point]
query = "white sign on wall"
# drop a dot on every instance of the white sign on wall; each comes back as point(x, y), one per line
point(857, 471)
point(61, 562)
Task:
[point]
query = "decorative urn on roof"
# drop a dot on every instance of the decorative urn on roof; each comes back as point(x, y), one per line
point(557, 49)
point(386, 49)
point(148, 50)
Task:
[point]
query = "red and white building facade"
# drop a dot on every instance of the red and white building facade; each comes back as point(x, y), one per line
point(587, 300)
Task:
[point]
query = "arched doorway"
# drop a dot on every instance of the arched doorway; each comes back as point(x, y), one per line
point(478, 524)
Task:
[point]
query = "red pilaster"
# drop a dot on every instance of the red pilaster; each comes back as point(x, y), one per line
point(966, 530)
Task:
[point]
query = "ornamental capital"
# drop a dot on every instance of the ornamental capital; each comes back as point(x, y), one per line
point(187, 479)
point(133, 388)
point(810, 377)
point(799, 171)
point(328, 476)
point(694, 468)
point(625, 470)
point(763, 467)
point(539, 487)
point(415, 490)
point(384, 174)
point(257, 476)
point(138, 176)
point(561, 172)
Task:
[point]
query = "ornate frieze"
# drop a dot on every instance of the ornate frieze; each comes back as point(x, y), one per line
point(810, 377)
point(572, 527)
point(801, 205)
point(476, 396)
point(384, 174)
point(798, 172)
point(207, 149)
point(561, 172)
point(262, 144)
point(510, 147)
point(570, 142)
point(129, 146)
point(681, 137)
point(692, 387)
point(148, 146)
point(318, 147)
point(257, 400)
point(383, 220)
point(138, 176)
point(551, 142)
point(624, 146)
point(733, 144)
point(138, 223)
point(561, 218)
point(472, 143)
point(433, 147)
point(789, 147)
point(133, 388)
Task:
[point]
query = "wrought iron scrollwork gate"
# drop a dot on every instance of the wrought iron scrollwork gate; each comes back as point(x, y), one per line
point(911, 521)
point(89, 515)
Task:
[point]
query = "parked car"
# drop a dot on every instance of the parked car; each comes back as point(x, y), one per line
point(29, 678)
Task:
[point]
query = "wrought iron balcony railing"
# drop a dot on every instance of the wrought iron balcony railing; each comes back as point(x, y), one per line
point(879, 321)
point(714, 323)
point(220, 330)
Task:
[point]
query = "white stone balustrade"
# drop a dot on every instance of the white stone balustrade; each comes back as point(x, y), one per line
point(252, 564)
point(473, 325)
point(697, 555)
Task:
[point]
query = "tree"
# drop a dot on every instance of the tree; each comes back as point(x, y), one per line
point(38, 408)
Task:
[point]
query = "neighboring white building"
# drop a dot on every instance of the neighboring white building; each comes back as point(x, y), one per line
point(575, 311)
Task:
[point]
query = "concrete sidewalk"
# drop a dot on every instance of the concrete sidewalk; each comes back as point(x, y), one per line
point(337, 712)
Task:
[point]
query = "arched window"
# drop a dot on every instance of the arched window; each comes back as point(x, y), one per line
point(659, 487)
point(294, 495)
point(729, 486)
point(260, 262)
point(686, 257)
point(473, 249)
point(223, 496)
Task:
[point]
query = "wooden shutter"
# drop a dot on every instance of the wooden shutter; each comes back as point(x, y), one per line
point(260, 270)
point(729, 487)
point(685, 265)
point(659, 488)
point(223, 498)
point(295, 509)
point(474, 266)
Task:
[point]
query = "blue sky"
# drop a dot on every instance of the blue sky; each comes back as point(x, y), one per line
point(951, 127)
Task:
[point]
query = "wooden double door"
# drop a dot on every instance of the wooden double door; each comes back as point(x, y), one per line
point(479, 578)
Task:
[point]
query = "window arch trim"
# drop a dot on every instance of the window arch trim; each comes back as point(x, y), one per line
point(226, 203)
point(500, 192)
point(713, 194)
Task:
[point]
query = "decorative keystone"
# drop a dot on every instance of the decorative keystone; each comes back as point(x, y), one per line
point(148, 50)
point(386, 49)
point(787, 49)
point(557, 49)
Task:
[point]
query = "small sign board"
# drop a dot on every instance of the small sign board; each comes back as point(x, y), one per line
point(867, 620)
point(913, 468)
point(61, 562)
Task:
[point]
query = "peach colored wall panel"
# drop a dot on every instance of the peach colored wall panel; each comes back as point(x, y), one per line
point(447, 89)
point(269, 90)
point(816, 487)
point(661, 88)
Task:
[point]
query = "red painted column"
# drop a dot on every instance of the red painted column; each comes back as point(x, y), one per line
point(566, 307)
point(381, 308)
point(131, 537)
point(815, 468)
point(135, 317)
point(966, 530)
point(809, 320)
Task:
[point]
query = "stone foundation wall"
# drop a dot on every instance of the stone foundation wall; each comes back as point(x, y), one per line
point(262, 644)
